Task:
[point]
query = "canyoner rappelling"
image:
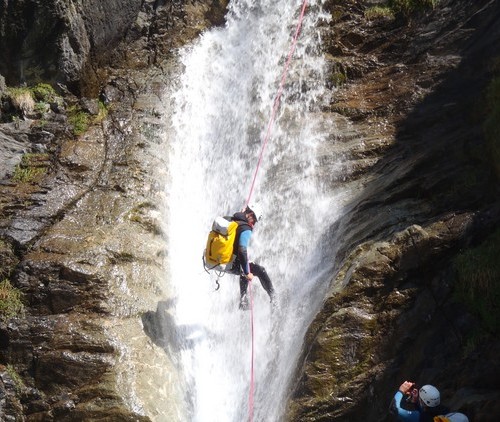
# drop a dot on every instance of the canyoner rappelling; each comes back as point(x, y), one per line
point(226, 249)
point(225, 245)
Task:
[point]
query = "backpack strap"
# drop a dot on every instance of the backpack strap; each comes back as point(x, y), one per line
point(243, 225)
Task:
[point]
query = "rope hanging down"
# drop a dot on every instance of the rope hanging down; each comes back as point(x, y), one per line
point(251, 396)
point(266, 139)
point(277, 98)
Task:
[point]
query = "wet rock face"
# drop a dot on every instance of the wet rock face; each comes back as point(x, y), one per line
point(59, 40)
point(391, 315)
point(67, 241)
point(71, 41)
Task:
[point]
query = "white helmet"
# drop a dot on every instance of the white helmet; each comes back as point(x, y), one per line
point(256, 209)
point(457, 417)
point(429, 395)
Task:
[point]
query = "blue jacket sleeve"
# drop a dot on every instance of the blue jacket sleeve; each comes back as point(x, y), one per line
point(403, 414)
point(242, 250)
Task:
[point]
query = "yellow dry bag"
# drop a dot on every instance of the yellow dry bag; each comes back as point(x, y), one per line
point(219, 250)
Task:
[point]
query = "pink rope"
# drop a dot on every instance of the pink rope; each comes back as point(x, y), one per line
point(251, 396)
point(277, 98)
point(266, 139)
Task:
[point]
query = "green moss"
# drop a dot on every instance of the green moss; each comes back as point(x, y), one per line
point(8, 259)
point(473, 341)
point(103, 112)
point(478, 281)
point(337, 15)
point(377, 12)
point(79, 119)
point(31, 168)
point(42, 107)
point(19, 385)
point(45, 93)
point(13, 92)
point(338, 75)
point(338, 78)
point(27, 175)
point(10, 301)
point(407, 8)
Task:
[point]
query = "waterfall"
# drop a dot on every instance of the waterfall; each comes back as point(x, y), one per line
point(222, 103)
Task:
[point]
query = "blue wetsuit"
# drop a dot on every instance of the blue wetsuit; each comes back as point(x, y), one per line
point(243, 243)
point(403, 414)
point(420, 414)
point(242, 265)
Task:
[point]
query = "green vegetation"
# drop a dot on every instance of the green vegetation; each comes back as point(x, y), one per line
point(338, 75)
point(19, 385)
point(79, 119)
point(31, 168)
point(45, 93)
point(338, 78)
point(25, 100)
point(27, 175)
point(38, 99)
point(103, 112)
point(478, 281)
point(407, 8)
point(10, 301)
point(478, 269)
point(8, 258)
point(492, 123)
point(377, 12)
point(22, 99)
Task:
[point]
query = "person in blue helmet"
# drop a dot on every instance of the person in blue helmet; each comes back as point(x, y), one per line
point(417, 405)
point(241, 266)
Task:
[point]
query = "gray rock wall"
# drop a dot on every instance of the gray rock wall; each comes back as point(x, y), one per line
point(59, 40)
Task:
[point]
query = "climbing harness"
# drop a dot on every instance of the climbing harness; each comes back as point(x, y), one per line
point(264, 143)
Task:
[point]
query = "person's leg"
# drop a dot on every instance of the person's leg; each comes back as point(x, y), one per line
point(260, 272)
point(243, 293)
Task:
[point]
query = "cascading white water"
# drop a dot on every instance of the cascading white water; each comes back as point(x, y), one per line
point(223, 103)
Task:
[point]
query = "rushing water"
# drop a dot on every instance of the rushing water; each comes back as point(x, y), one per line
point(223, 103)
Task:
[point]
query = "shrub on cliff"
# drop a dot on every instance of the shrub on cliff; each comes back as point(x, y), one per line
point(7, 258)
point(79, 119)
point(10, 301)
point(21, 99)
point(405, 9)
point(478, 281)
point(31, 168)
point(26, 100)
point(45, 92)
